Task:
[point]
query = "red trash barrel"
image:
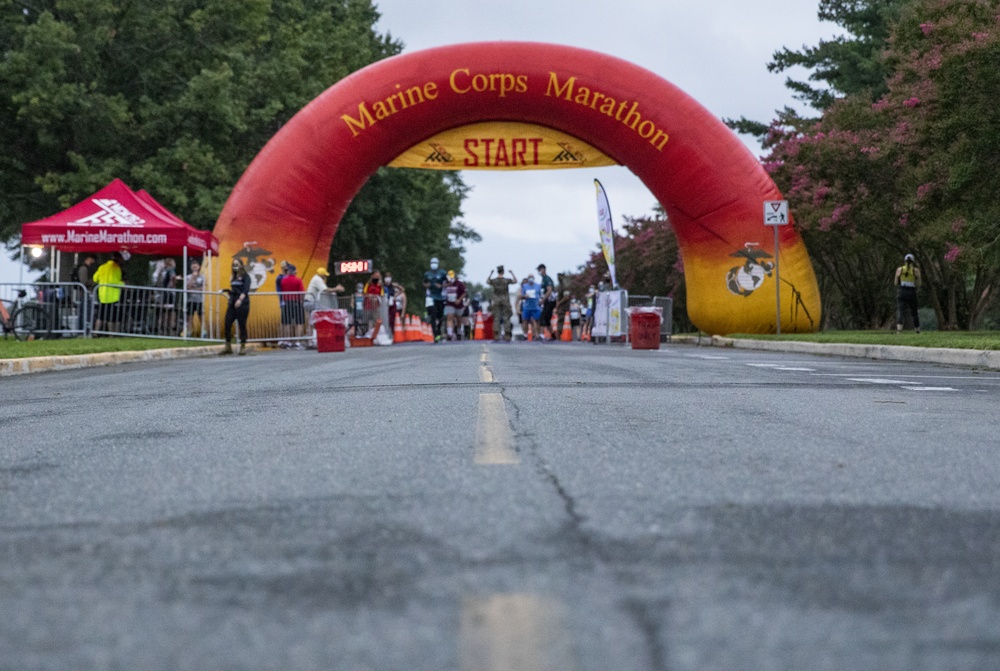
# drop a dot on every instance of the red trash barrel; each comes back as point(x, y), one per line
point(645, 329)
point(487, 326)
point(331, 326)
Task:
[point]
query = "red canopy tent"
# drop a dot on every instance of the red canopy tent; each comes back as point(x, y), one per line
point(117, 219)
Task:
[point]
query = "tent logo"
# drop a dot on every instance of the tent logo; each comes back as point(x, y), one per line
point(112, 213)
point(439, 155)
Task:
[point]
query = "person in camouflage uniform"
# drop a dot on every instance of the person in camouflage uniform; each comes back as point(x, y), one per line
point(500, 303)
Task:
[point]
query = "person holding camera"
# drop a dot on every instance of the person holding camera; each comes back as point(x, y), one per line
point(500, 303)
point(907, 282)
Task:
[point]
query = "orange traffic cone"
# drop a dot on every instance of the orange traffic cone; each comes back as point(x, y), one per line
point(553, 325)
point(397, 330)
point(428, 333)
point(414, 334)
point(567, 331)
point(480, 331)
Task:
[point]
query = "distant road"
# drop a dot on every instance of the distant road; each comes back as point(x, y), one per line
point(501, 507)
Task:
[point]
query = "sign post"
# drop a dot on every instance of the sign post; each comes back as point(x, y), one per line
point(775, 215)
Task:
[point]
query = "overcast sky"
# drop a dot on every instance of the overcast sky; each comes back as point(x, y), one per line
point(715, 50)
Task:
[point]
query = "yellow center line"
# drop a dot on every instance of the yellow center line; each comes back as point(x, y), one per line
point(514, 632)
point(494, 439)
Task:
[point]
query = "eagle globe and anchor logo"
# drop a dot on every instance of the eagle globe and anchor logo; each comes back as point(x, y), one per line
point(745, 279)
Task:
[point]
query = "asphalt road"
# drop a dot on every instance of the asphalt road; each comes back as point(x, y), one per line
point(495, 507)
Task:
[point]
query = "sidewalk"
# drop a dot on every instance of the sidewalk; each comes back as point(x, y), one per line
point(950, 357)
point(973, 358)
point(38, 364)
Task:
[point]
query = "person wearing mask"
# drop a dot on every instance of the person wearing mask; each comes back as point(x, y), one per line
point(454, 304)
point(907, 282)
point(194, 284)
point(500, 303)
point(434, 284)
point(292, 292)
point(395, 293)
point(575, 316)
point(531, 310)
point(108, 295)
point(238, 307)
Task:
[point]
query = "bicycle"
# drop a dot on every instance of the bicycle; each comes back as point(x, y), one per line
point(25, 321)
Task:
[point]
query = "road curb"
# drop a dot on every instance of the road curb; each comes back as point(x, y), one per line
point(40, 364)
point(972, 358)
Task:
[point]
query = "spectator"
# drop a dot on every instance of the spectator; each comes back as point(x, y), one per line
point(292, 291)
point(83, 274)
point(562, 306)
point(315, 293)
point(194, 284)
point(360, 316)
point(285, 330)
point(589, 305)
point(108, 295)
point(530, 306)
point(238, 308)
point(907, 281)
point(548, 301)
point(434, 284)
point(500, 305)
point(166, 278)
point(454, 302)
point(396, 295)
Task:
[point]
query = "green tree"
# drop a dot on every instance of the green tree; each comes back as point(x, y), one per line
point(915, 171)
point(177, 97)
point(402, 218)
point(850, 64)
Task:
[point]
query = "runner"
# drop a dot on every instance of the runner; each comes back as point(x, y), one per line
point(530, 310)
point(433, 283)
point(548, 301)
point(455, 299)
point(575, 314)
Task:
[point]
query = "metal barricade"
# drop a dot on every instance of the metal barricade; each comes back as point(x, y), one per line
point(58, 309)
point(667, 324)
point(366, 310)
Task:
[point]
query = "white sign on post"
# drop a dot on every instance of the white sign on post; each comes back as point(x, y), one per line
point(775, 212)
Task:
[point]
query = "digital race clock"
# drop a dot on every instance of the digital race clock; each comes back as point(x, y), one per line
point(348, 267)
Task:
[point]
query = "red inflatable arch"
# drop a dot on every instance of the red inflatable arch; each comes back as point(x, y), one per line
point(290, 200)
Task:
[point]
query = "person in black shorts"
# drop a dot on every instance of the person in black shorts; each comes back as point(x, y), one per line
point(548, 300)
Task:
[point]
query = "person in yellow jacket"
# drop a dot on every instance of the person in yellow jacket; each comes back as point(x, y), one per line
point(110, 273)
point(907, 282)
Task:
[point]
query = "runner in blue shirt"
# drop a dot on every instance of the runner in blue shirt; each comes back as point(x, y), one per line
point(530, 306)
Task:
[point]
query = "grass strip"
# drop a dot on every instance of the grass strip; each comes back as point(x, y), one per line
point(12, 349)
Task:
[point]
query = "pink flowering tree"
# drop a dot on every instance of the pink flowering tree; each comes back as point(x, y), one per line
point(647, 261)
point(917, 171)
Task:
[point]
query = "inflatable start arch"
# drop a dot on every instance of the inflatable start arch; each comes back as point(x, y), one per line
point(290, 200)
